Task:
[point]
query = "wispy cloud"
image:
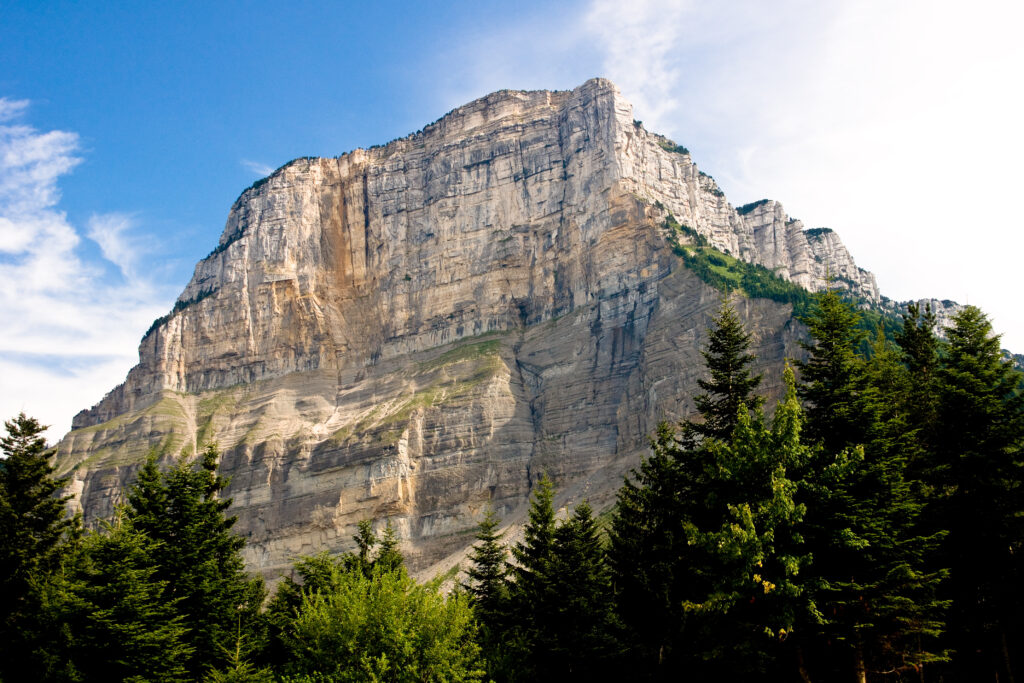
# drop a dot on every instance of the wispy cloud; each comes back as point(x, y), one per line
point(256, 167)
point(68, 334)
point(896, 124)
point(111, 231)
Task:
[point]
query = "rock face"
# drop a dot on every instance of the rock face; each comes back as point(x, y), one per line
point(413, 331)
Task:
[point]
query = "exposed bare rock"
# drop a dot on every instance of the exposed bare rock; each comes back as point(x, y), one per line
point(411, 331)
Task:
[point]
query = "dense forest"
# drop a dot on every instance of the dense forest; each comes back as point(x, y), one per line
point(867, 528)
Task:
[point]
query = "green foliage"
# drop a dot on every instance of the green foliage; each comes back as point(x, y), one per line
point(197, 556)
point(977, 484)
point(730, 389)
point(579, 623)
point(647, 555)
point(748, 208)
point(487, 578)
point(180, 305)
point(671, 146)
point(728, 274)
point(874, 586)
point(832, 379)
point(383, 626)
point(33, 531)
point(131, 632)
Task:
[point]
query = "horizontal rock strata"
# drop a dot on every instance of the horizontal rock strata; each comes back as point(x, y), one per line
point(414, 331)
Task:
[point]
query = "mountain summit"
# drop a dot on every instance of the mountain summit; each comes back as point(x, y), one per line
point(413, 331)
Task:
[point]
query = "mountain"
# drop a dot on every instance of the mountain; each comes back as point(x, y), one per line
point(413, 331)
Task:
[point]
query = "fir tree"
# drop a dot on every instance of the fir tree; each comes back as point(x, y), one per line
point(874, 585)
point(530, 609)
point(389, 558)
point(130, 631)
point(831, 380)
point(647, 556)
point(745, 596)
point(33, 527)
point(920, 350)
point(487, 577)
point(197, 555)
point(579, 630)
point(731, 384)
point(979, 497)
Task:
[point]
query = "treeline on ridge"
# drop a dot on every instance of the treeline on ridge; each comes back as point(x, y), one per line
point(870, 529)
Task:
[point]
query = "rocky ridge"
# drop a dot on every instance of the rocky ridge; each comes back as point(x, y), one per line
point(418, 330)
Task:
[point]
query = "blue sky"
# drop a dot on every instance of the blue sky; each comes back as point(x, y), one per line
point(128, 129)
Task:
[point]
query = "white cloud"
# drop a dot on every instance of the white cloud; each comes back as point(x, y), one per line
point(111, 232)
point(256, 167)
point(897, 124)
point(68, 335)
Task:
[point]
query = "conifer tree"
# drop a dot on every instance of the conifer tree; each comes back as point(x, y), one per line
point(579, 631)
point(130, 631)
point(389, 558)
point(33, 527)
point(979, 497)
point(745, 595)
point(530, 607)
point(646, 555)
point(487, 576)
point(920, 351)
point(731, 384)
point(831, 380)
point(197, 555)
point(874, 586)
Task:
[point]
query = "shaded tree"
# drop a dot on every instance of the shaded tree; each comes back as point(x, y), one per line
point(979, 497)
point(731, 384)
point(197, 556)
point(33, 528)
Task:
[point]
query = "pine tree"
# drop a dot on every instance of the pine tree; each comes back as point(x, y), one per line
point(875, 588)
point(487, 577)
point(530, 609)
point(979, 497)
point(579, 632)
point(129, 631)
point(33, 528)
point(647, 556)
point(831, 380)
point(197, 555)
point(731, 384)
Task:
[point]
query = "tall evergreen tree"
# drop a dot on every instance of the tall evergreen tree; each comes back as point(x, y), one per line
point(831, 380)
point(579, 628)
point(530, 607)
point(33, 527)
point(731, 384)
point(487, 576)
point(647, 554)
point(197, 556)
point(742, 527)
point(920, 350)
point(978, 479)
point(129, 630)
point(873, 584)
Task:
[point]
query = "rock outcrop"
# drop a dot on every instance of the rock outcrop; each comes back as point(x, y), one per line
point(419, 329)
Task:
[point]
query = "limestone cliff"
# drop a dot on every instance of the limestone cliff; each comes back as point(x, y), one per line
point(414, 330)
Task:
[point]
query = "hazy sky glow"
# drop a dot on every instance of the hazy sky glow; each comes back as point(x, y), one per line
point(126, 132)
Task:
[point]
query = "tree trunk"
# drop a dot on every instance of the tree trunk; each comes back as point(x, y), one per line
point(860, 670)
point(1006, 656)
point(801, 666)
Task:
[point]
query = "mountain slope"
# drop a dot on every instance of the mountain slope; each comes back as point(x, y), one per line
point(414, 330)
